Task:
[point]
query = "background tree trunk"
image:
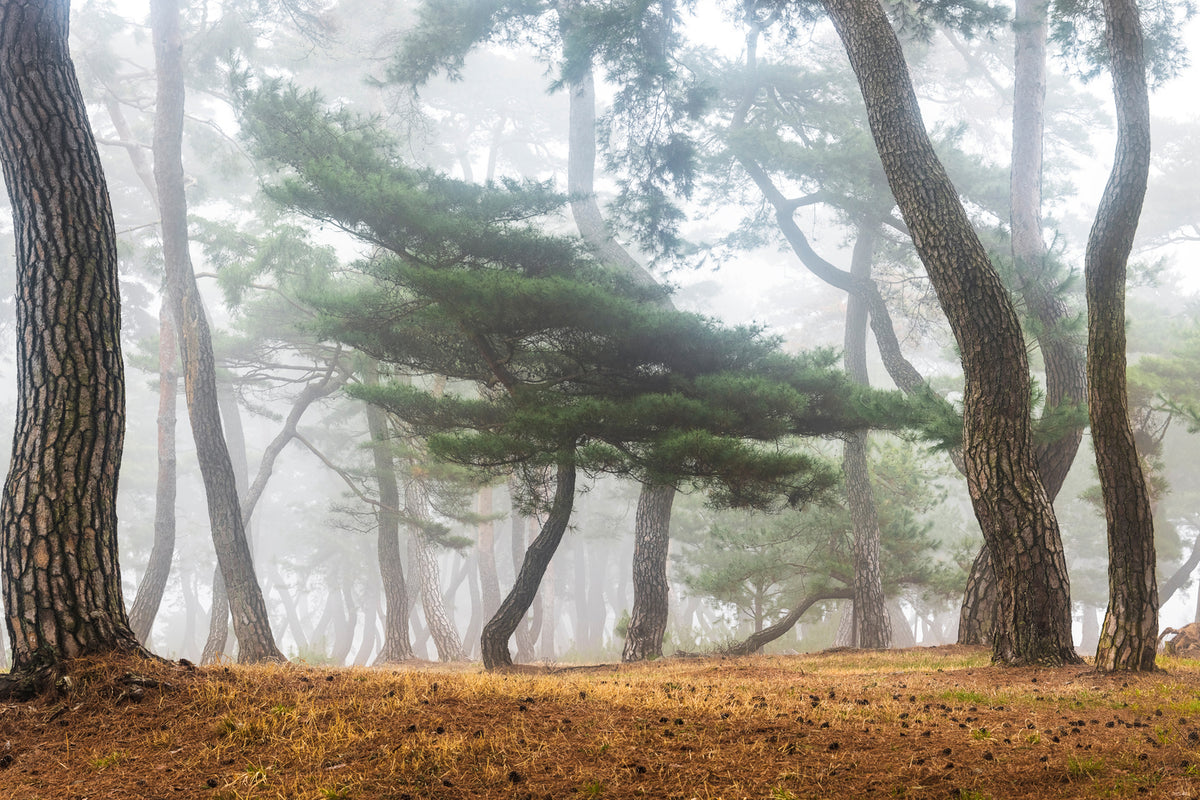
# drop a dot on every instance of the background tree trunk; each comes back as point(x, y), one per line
point(1018, 523)
point(871, 623)
point(396, 644)
point(250, 621)
point(162, 552)
point(62, 581)
point(1128, 637)
point(441, 627)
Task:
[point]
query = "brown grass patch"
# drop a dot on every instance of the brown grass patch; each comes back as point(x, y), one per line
point(936, 723)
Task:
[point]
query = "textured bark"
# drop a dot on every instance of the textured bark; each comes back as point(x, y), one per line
point(494, 642)
point(217, 643)
point(441, 627)
point(871, 624)
point(651, 590)
point(1010, 502)
point(977, 616)
point(250, 621)
point(62, 582)
point(396, 644)
point(1128, 637)
point(1062, 354)
point(162, 552)
point(524, 635)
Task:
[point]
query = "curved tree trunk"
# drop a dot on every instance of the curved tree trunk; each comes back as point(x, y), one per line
point(62, 581)
point(250, 621)
point(1129, 635)
point(760, 639)
point(1034, 621)
point(871, 624)
point(494, 642)
point(162, 552)
point(651, 591)
point(217, 643)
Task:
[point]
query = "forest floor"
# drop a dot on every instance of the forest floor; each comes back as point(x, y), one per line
point(920, 723)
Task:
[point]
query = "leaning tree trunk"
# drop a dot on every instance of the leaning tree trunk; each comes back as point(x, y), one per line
point(250, 621)
point(494, 642)
point(62, 580)
point(872, 625)
point(1129, 636)
point(1017, 519)
point(162, 552)
point(651, 591)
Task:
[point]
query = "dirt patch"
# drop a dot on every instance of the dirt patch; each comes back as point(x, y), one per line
point(928, 722)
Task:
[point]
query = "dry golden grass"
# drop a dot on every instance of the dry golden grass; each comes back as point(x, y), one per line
point(921, 723)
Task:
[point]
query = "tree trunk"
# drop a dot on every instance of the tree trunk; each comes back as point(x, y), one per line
point(250, 621)
point(217, 643)
point(523, 636)
point(977, 616)
point(396, 644)
point(441, 627)
point(1129, 635)
point(489, 581)
point(760, 639)
point(648, 620)
point(494, 642)
point(1014, 512)
point(62, 581)
point(650, 594)
point(871, 624)
point(162, 553)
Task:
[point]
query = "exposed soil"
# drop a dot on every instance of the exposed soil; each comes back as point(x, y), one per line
point(937, 723)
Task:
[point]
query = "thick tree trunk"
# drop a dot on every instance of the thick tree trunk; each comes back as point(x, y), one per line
point(396, 644)
point(871, 623)
point(1129, 635)
point(494, 642)
point(62, 581)
point(1062, 354)
point(1034, 621)
point(162, 552)
point(651, 591)
point(250, 621)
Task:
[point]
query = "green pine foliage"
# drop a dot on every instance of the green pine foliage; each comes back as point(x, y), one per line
point(549, 354)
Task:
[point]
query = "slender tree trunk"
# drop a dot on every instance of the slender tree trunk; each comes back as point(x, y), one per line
point(494, 642)
point(162, 553)
point(1006, 490)
point(1129, 635)
point(872, 626)
point(441, 627)
point(651, 591)
point(547, 649)
point(523, 636)
point(250, 621)
point(62, 580)
point(489, 581)
point(396, 644)
point(770, 633)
